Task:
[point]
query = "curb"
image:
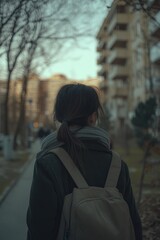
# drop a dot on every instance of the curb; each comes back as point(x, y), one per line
point(14, 182)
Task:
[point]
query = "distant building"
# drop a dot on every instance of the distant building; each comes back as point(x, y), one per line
point(40, 99)
point(49, 88)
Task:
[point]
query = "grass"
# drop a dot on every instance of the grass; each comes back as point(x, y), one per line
point(134, 162)
point(11, 170)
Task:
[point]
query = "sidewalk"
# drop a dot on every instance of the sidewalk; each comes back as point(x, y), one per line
point(10, 171)
point(13, 207)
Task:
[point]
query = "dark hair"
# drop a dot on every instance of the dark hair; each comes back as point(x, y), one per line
point(74, 104)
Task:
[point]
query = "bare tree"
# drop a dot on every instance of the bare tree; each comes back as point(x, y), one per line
point(7, 14)
point(48, 25)
point(13, 42)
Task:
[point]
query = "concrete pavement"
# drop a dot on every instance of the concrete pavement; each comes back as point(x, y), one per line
point(13, 209)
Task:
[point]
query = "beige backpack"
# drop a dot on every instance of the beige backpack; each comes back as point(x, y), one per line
point(94, 213)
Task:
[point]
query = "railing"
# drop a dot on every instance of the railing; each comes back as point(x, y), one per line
point(117, 18)
point(117, 53)
point(120, 92)
point(118, 72)
point(102, 44)
point(101, 59)
point(117, 35)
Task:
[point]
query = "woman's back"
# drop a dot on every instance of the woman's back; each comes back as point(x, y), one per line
point(77, 108)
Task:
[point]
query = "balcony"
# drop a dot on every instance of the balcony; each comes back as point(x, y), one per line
point(118, 72)
point(101, 46)
point(155, 54)
point(120, 92)
point(118, 18)
point(103, 85)
point(100, 73)
point(154, 26)
point(102, 58)
point(118, 39)
point(104, 53)
point(118, 56)
point(103, 71)
point(105, 67)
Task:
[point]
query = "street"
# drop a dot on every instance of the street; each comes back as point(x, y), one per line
point(13, 208)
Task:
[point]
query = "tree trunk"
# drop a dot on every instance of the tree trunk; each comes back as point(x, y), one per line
point(7, 149)
point(6, 106)
point(19, 125)
point(144, 160)
point(21, 119)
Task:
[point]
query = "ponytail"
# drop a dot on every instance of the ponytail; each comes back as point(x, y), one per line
point(66, 136)
point(74, 104)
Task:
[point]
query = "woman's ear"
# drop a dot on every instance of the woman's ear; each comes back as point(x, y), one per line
point(92, 119)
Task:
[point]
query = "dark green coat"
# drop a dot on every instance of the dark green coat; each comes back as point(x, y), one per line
point(51, 182)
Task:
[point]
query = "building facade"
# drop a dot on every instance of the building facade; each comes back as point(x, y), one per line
point(129, 57)
point(113, 39)
point(154, 33)
point(40, 99)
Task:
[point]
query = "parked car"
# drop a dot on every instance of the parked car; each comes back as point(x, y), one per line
point(1, 140)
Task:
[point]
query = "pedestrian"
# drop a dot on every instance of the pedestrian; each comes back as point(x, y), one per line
point(47, 131)
point(77, 109)
point(41, 132)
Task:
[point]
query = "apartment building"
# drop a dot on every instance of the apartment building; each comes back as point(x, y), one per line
point(42, 103)
point(113, 48)
point(54, 83)
point(146, 53)
point(48, 89)
point(154, 33)
point(32, 109)
point(102, 49)
point(31, 100)
point(40, 99)
point(139, 58)
point(13, 103)
point(131, 40)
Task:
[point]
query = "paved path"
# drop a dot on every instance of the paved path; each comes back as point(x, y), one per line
point(13, 208)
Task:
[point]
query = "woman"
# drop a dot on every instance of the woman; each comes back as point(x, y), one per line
point(77, 109)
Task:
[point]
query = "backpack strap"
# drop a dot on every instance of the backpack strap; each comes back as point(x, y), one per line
point(114, 171)
point(71, 167)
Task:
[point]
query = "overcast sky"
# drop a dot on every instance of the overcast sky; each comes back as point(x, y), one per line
point(81, 62)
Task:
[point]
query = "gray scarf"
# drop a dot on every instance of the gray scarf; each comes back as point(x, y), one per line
point(85, 133)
